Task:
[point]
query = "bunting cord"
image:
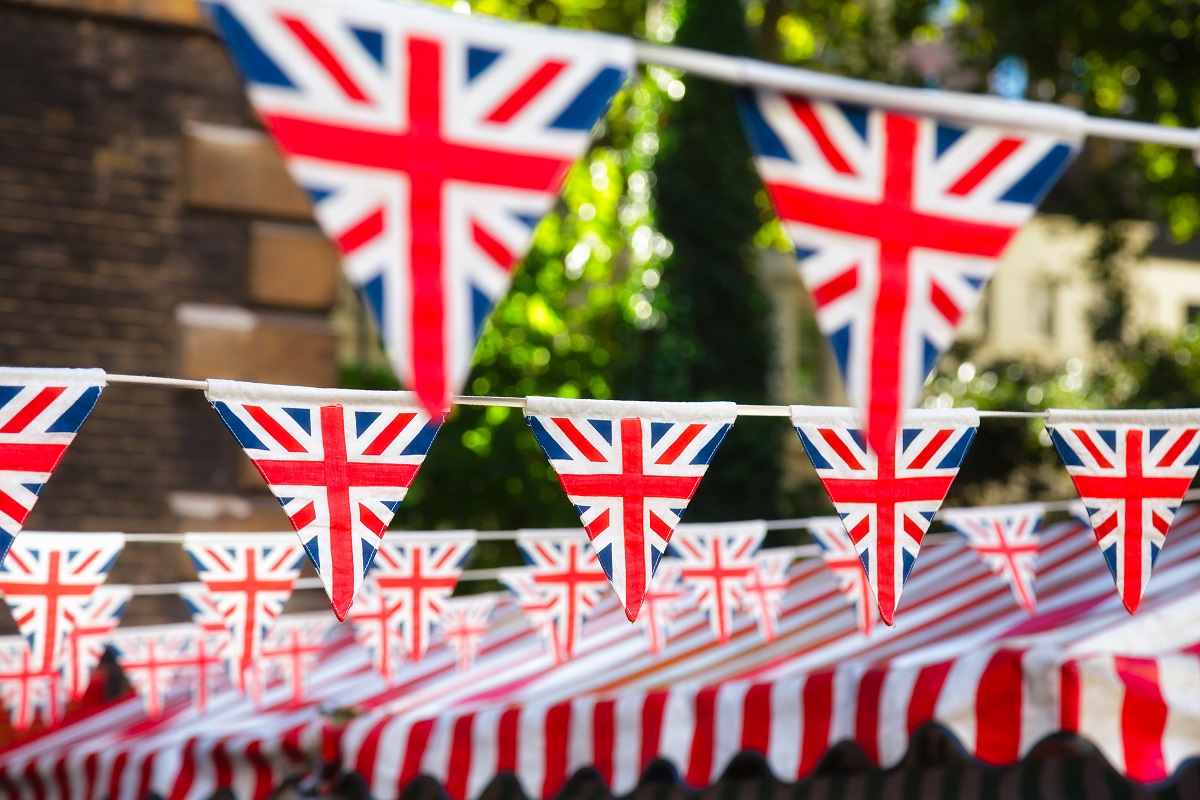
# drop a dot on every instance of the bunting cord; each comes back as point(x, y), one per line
point(962, 105)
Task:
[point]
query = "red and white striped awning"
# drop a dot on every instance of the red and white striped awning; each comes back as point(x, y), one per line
point(963, 656)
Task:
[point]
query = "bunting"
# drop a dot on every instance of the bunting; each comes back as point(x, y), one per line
point(89, 639)
point(1003, 538)
point(430, 144)
point(29, 691)
point(561, 585)
point(464, 622)
point(1131, 470)
point(886, 503)
point(412, 577)
point(898, 222)
point(340, 463)
point(48, 580)
point(249, 577)
point(665, 600)
point(292, 648)
point(213, 641)
point(630, 469)
point(762, 595)
point(716, 561)
point(841, 559)
point(371, 619)
point(162, 662)
point(41, 410)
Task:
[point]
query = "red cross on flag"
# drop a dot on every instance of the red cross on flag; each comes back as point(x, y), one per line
point(1003, 538)
point(562, 584)
point(762, 594)
point(630, 469)
point(89, 638)
point(292, 650)
point(464, 622)
point(166, 664)
point(899, 220)
point(340, 463)
point(430, 143)
point(48, 580)
point(666, 598)
point(30, 692)
point(249, 577)
point(1131, 469)
point(716, 561)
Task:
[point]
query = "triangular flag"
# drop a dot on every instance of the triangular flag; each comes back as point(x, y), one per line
point(48, 579)
point(340, 462)
point(630, 469)
point(162, 662)
point(899, 220)
point(562, 584)
point(430, 143)
point(886, 503)
point(249, 577)
point(413, 575)
point(89, 639)
point(464, 622)
point(665, 600)
point(716, 562)
point(29, 691)
point(41, 410)
point(292, 650)
point(762, 594)
point(212, 642)
point(1003, 538)
point(840, 557)
point(1131, 469)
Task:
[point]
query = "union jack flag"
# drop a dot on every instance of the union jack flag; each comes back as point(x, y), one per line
point(213, 642)
point(665, 600)
point(716, 561)
point(630, 469)
point(898, 223)
point(249, 578)
point(89, 638)
point(41, 410)
point(431, 145)
point(411, 579)
point(48, 580)
point(340, 463)
point(28, 691)
point(464, 621)
point(840, 557)
point(562, 584)
point(163, 662)
point(292, 649)
point(886, 503)
point(373, 629)
point(1131, 470)
point(1004, 539)
point(762, 593)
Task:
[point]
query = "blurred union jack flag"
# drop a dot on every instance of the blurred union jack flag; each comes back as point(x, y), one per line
point(763, 590)
point(666, 599)
point(48, 580)
point(40, 412)
point(28, 691)
point(1131, 469)
point(412, 577)
point(292, 649)
point(1004, 539)
point(213, 641)
point(840, 557)
point(561, 585)
point(886, 503)
point(630, 469)
point(898, 222)
point(164, 662)
point(431, 145)
point(716, 561)
point(249, 577)
point(464, 621)
point(93, 627)
point(340, 463)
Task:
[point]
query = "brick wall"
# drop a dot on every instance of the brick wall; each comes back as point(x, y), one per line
point(147, 226)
